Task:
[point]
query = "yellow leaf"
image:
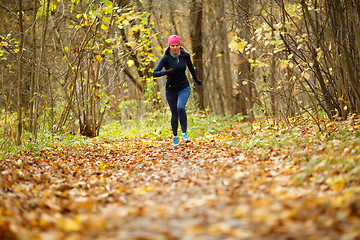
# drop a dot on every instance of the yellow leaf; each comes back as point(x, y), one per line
point(338, 184)
point(98, 58)
point(238, 44)
point(219, 55)
point(233, 46)
point(296, 92)
point(103, 27)
point(284, 64)
point(102, 165)
point(143, 190)
point(71, 225)
point(106, 20)
point(220, 228)
point(241, 211)
point(241, 45)
point(121, 189)
point(130, 63)
point(342, 199)
point(355, 189)
point(108, 3)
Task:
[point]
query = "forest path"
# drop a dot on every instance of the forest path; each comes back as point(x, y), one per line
point(140, 189)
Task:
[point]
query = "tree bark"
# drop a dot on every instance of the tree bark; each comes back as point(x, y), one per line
point(225, 59)
point(172, 16)
point(20, 73)
point(272, 75)
point(33, 70)
point(42, 49)
point(244, 89)
point(197, 46)
point(329, 101)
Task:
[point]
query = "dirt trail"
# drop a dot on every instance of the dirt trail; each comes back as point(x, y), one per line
point(140, 189)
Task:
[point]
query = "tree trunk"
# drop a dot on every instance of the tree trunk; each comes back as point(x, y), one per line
point(272, 75)
point(33, 70)
point(331, 103)
point(272, 82)
point(197, 46)
point(172, 17)
point(242, 93)
point(225, 59)
point(219, 99)
point(20, 72)
point(244, 88)
point(37, 84)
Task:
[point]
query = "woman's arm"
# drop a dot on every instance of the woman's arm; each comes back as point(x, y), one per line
point(158, 70)
point(192, 70)
point(191, 66)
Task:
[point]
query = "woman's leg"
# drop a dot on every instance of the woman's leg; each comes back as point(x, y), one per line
point(182, 99)
point(172, 98)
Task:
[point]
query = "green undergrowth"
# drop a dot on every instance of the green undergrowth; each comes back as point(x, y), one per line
point(45, 141)
point(302, 133)
point(324, 152)
point(301, 136)
point(156, 125)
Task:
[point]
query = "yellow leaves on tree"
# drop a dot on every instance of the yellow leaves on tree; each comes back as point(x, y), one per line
point(237, 45)
point(98, 58)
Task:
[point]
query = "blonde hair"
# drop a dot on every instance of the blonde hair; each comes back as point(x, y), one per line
point(182, 49)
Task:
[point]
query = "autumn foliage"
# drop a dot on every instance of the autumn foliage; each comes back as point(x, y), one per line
point(85, 152)
point(268, 180)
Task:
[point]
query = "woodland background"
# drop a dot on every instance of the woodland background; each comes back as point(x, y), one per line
point(85, 132)
point(73, 66)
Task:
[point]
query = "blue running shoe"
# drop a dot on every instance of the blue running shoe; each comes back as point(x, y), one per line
point(175, 140)
point(185, 137)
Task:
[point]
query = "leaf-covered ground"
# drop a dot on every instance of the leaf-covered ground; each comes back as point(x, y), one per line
point(270, 183)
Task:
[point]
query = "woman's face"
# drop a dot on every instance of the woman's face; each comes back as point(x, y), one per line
point(175, 48)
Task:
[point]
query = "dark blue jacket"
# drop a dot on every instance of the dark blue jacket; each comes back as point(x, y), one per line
point(177, 80)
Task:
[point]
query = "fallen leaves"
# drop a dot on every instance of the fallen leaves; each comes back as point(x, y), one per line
point(135, 188)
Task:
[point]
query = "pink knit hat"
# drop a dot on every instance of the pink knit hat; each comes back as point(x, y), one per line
point(174, 39)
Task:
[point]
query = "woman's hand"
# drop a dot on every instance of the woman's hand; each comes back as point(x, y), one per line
point(198, 81)
point(170, 71)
